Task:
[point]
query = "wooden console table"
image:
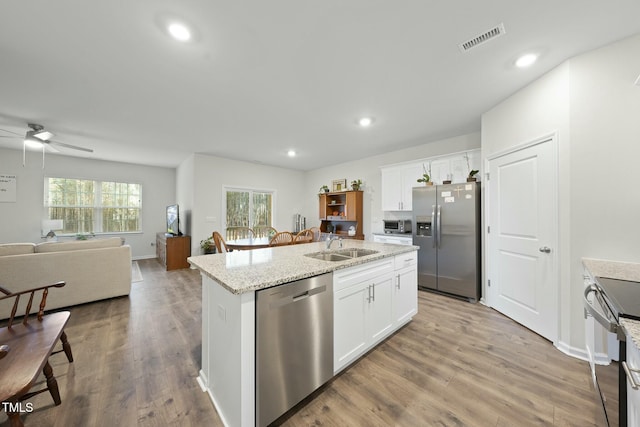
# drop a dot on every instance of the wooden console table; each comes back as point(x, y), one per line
point(173, 251)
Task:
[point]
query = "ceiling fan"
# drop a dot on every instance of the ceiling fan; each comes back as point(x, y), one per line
point(37, 137)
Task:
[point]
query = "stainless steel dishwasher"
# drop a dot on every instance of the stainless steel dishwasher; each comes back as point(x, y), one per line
point(294, 344)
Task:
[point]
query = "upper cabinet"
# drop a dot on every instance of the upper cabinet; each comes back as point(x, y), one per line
point(397, 186)
point(398, 180)
point(341, 211)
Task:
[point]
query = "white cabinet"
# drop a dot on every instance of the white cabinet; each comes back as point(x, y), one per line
point(398, 240)
point(405, 291)
point(397, 186)
point(633, 396)
point(371, 301)
point(362, 308)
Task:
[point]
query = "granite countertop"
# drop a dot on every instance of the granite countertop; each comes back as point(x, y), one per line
point(247, 271)
point(613, 269)
point(622, 271)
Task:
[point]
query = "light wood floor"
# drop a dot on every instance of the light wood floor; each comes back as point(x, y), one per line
point(455, 364)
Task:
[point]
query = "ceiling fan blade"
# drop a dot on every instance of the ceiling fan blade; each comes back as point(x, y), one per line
point(74, 147)
point(51, 148)
point(9, 131)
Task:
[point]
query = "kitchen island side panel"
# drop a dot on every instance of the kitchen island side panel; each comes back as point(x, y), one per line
point(228, 352)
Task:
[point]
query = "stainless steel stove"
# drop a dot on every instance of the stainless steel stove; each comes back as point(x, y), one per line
point(607, 300)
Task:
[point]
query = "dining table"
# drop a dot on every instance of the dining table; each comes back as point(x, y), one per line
point(248, 243)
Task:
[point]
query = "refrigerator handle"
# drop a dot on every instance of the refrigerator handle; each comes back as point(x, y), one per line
point(434, 224)
point(439, 229)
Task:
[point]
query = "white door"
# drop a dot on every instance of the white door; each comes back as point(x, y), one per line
point(522, 245)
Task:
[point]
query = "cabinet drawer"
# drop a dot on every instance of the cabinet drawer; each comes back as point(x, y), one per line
point(352, 275)
point(406, 260)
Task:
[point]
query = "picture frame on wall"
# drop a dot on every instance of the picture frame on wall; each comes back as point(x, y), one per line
point(339, 185)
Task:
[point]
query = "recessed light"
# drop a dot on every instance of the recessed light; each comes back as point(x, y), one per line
point(179, 32)
point(526, 60)
point(365, 121)
point(291, 153)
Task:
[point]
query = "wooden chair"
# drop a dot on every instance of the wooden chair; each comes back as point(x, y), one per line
point(305, 236)
point(221, 245)
point(264, 231)
point(316, 233)
point(281, 238)
point(27, 348)
point(235, 233)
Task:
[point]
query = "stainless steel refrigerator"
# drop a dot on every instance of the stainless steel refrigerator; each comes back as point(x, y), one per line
point(447, 229)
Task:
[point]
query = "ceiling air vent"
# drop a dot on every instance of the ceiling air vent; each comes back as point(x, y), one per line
point(482, 38)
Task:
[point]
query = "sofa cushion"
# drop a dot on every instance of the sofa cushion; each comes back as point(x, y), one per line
point(78, 245)
point(17, 249)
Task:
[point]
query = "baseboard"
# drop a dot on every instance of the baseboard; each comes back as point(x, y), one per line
point(138, 258)
point(582, 354)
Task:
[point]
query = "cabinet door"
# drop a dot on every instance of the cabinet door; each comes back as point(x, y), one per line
point(410, 175)
point(351, 207)
point(349, 326)
point(322, 206)
point(405, 298)
point(380, 308)
point(391, 185)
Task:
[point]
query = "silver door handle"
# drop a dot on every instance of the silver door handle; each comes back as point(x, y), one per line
point(434, 224)
point(545, 249)
point(628, 371)
point(439, 226)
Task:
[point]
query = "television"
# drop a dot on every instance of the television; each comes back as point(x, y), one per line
point(173, 220)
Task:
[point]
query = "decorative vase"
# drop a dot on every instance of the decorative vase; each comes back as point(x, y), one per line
point(355, 187)
point(448, 181)
point(472, 179)
point(428, 183)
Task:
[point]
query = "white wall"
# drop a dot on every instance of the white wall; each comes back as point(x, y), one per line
point(368, 170)
point(605, 132)
point(21, 221)
point(211, 174)
point(591, 102)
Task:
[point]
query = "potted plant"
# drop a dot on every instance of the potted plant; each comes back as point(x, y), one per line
point(426, 178)
point(324, 189)
point(472, 172)
point(208, 246)
point(355, 184)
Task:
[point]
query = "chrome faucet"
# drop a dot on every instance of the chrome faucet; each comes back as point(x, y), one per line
point(331, 239)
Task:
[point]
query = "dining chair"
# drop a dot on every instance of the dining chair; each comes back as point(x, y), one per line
point(305, 236)
point(235, 233)
point(281, 238)
point(221, 245)
point(264, 231)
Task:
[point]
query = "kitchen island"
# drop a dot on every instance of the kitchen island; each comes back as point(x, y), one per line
point(373, 296)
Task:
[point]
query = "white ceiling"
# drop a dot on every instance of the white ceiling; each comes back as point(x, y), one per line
point(263, 77)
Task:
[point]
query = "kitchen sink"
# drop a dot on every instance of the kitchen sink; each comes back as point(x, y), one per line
point(341, 255)
point(356, 253)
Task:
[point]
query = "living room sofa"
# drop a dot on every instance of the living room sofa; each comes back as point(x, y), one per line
point(93, 270)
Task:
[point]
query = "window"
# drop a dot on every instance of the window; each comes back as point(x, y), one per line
point(87, 206)
point(248, 208)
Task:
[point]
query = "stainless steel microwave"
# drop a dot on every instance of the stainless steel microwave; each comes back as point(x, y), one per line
point(401, 226)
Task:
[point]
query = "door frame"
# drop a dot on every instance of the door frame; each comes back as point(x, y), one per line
point(552, 138)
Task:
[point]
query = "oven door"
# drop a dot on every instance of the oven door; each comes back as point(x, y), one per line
point(391, 226)
point(604, 373)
